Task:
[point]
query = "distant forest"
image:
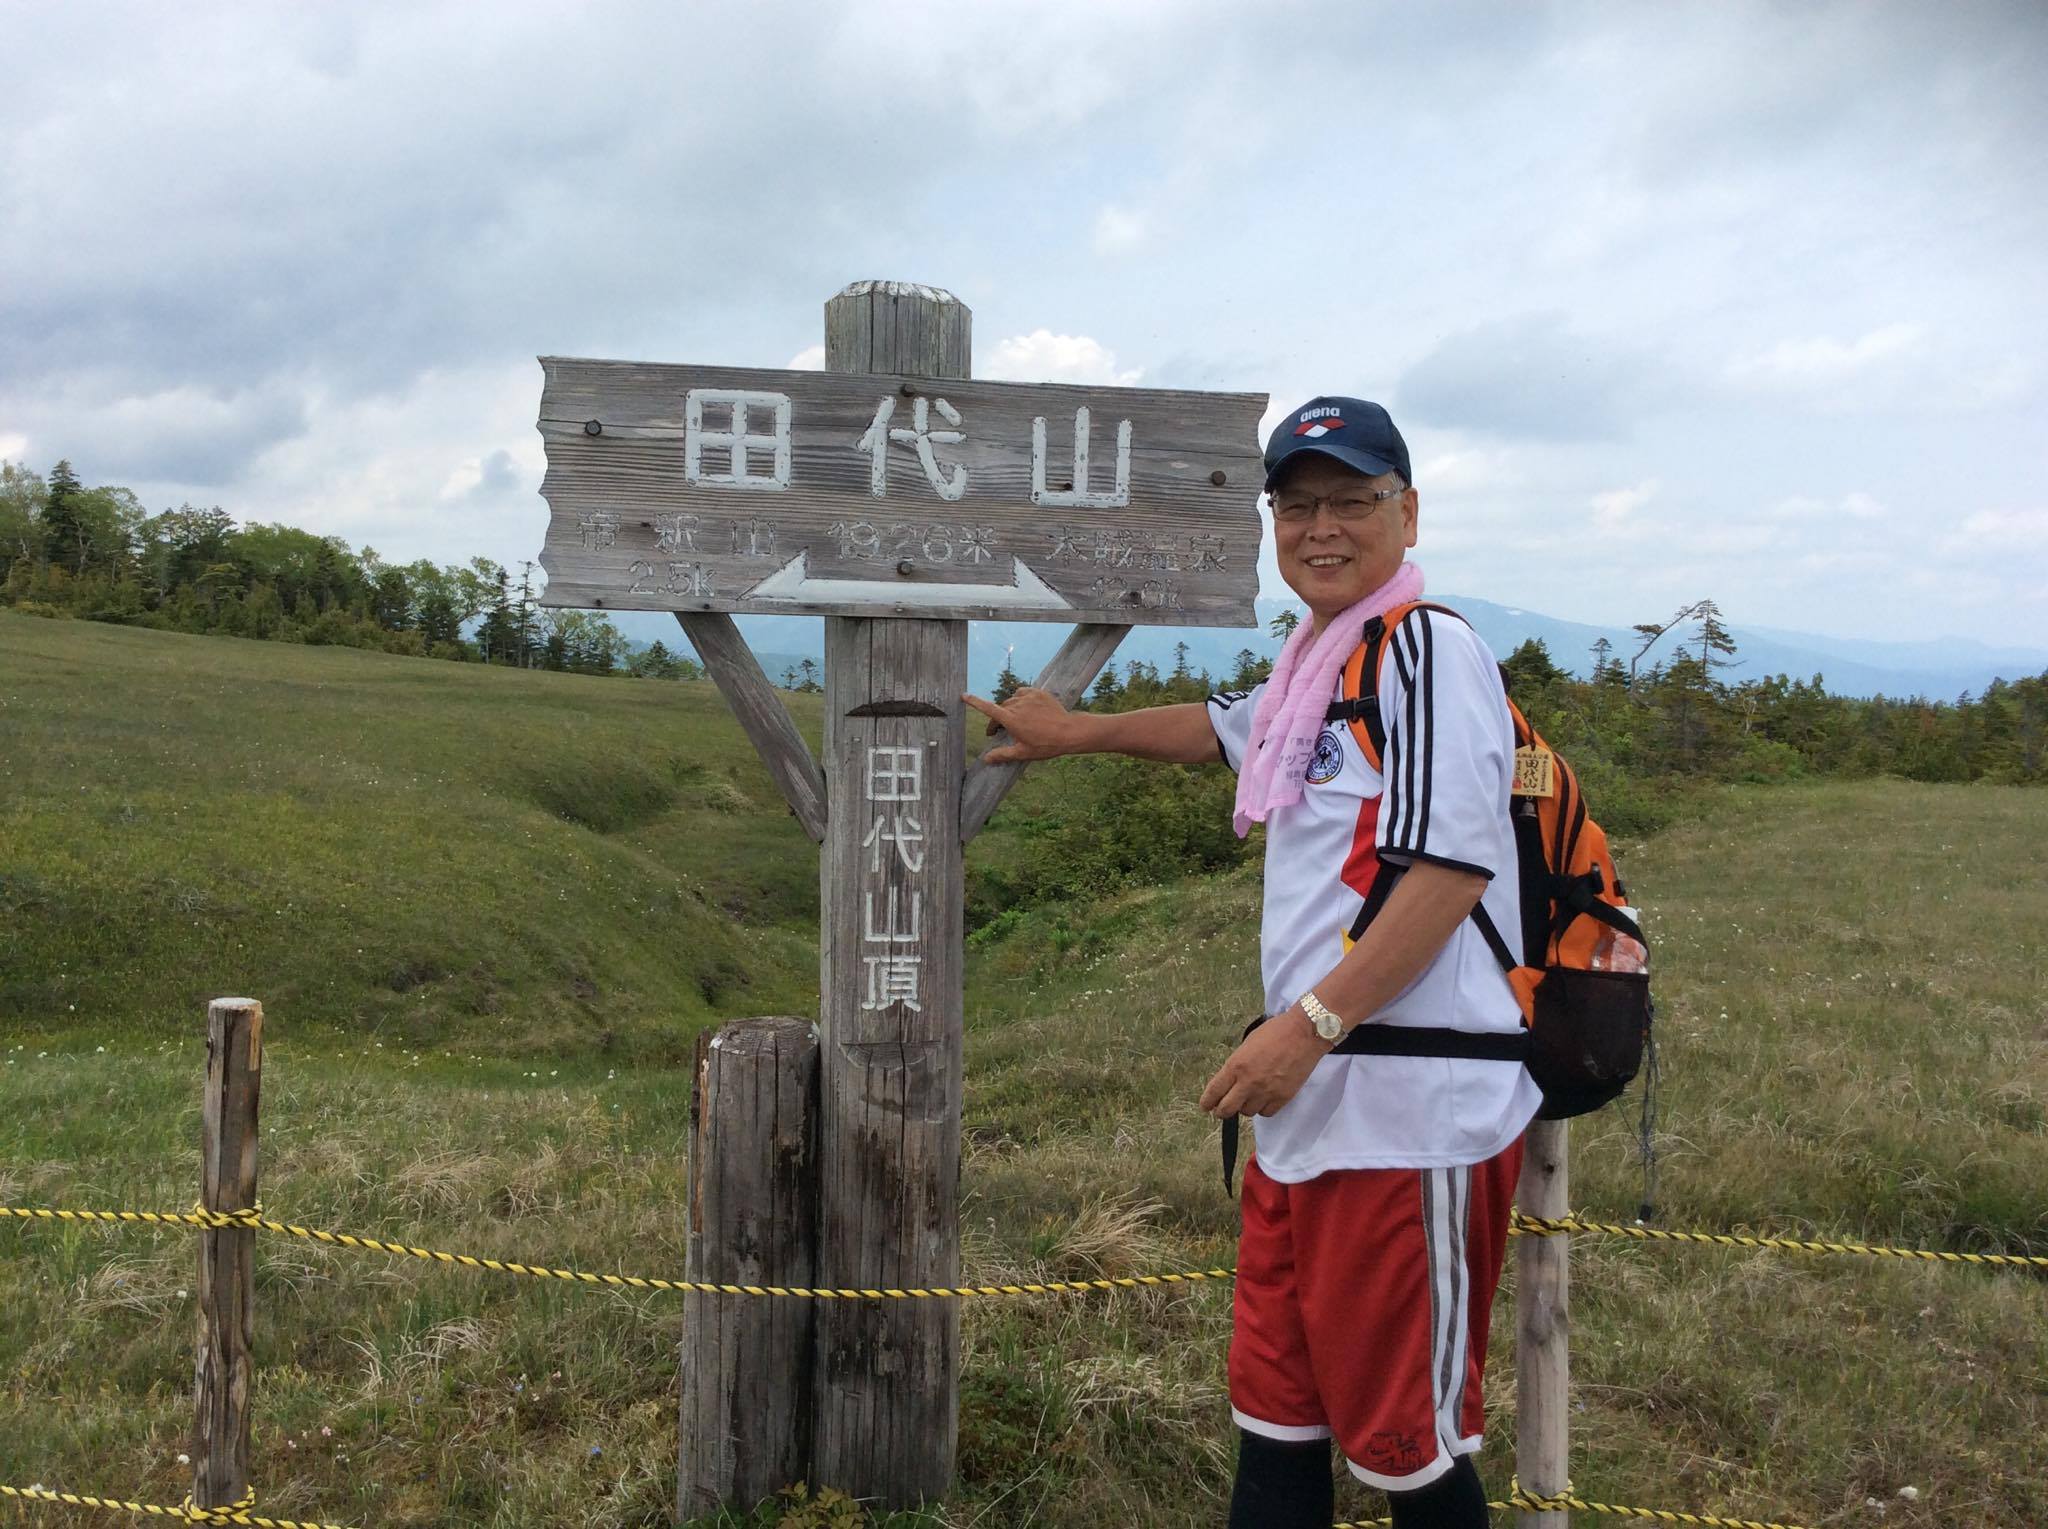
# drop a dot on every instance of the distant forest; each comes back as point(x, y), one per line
point(1662, 719)
point(96, 553)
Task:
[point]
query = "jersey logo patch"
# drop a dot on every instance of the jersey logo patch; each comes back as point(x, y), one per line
point(1329, 759)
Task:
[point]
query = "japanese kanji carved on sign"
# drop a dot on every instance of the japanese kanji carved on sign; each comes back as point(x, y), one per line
point(694, 488)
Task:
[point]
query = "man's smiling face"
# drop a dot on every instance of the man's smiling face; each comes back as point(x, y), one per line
point(1349, 543)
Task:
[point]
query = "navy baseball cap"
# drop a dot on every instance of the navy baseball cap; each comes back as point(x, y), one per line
point(1353, 431)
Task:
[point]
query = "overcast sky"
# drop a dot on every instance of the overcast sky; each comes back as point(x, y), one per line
point(1740, 301)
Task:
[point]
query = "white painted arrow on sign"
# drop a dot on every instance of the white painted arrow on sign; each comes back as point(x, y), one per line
point(1028, 593)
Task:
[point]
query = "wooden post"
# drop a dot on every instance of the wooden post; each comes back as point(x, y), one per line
point(227, 1256)
point(746, 1391)
point(1543, 1326)
point(890, 996)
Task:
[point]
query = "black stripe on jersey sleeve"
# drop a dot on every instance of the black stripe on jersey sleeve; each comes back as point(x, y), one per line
point(1426, 688)
point(1395, 801)
point(1415, 659)
point(1403, 857)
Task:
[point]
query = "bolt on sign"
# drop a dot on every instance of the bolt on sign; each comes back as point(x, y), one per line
point(693, 488)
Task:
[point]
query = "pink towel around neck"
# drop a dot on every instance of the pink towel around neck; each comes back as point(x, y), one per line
point(1290, 714)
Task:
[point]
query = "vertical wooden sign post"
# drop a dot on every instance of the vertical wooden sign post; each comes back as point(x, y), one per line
point(227, 1255)
point(899, 499)
point(891, 1005)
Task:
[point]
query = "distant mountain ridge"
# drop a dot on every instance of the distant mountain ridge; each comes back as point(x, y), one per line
point(1936, 668)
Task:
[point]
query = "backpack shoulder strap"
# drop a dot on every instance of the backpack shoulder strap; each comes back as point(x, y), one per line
point(1360, 706)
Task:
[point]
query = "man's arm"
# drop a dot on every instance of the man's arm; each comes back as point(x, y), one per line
point(1422, 912)
point(1041, 728)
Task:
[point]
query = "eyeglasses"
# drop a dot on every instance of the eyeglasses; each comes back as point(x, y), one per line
point(1353, 504)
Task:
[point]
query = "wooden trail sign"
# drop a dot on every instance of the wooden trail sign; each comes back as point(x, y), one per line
point(888, 486)
point(696, 488)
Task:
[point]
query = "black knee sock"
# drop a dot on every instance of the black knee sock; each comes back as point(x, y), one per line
point(1455, 1500)
point(1282, 1485)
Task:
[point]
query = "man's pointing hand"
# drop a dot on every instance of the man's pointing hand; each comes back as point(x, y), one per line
point(1038, 725)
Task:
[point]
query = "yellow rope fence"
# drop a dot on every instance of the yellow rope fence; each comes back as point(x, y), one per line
point(1562, 1502)
point(186, 1512)
point(1521, 1225)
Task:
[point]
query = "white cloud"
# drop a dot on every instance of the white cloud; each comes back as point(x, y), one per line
point(1614, 506)
point(486, 478)
point(13, 447)
point(2002, 531)
point(1895, 366)
point(377, 470)
point(1823, 361)
point(1466, 470)
point(810, 359)
point(1043, 356)
point(1118, 230)
point(190, 433)
point(1855, 505)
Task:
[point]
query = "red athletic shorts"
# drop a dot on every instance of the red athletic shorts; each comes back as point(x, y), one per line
point(1363, 1297)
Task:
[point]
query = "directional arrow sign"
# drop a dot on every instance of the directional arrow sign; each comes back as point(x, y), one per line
point(691, 488)
point(793, 585)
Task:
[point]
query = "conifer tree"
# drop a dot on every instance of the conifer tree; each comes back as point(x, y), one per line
point(1530, 668)
point(1007, 682)
point(64, 541)
point(525, 619)
point(1714, 639)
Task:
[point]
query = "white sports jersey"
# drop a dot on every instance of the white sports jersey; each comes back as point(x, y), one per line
point(1449, 764)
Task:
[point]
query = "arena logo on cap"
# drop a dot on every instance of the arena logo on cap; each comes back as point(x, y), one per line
point(1319, 422)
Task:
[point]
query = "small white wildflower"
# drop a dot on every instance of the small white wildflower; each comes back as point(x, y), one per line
point(1911, 1494)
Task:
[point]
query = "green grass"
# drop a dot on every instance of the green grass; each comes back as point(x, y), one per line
point(422, 852)
point(1855, 1045)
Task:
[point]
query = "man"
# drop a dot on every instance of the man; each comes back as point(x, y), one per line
point(1375, 1211)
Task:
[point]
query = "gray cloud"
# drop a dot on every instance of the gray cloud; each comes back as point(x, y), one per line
point(1532, 377)
point(299, 259)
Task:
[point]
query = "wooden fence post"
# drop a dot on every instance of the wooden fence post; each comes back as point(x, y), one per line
point(890, 995)
point(746, 1392)
point(227, 1255)
point(1543, 1326)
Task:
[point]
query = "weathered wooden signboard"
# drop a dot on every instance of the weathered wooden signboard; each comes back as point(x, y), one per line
point(696, 488)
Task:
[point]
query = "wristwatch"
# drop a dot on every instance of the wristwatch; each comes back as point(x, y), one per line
point(1328, 1025)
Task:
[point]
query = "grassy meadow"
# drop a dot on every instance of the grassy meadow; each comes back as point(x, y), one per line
point(487, 912)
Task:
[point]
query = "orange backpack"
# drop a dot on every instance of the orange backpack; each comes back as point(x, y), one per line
point(1586, 1022)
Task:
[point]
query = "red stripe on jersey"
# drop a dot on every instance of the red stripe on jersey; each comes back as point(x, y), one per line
point(1363, 863)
